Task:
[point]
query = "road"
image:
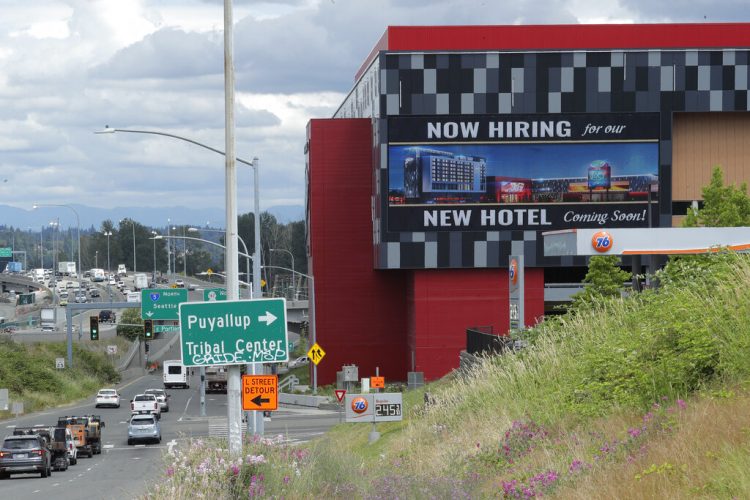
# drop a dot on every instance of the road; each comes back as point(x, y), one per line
point(122, 471)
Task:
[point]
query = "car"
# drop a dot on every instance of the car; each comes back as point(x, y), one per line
point(144, 428)
point(192, 286)
point(70, 444)
point(63, 302)
point(81, 298)
point(112, 281)
point(301, 361)
point(161, 396)
point(107, 316)
point(145, 404)
point(180, 283)
point(24, 454)
point(94, 293)
point(107, 397)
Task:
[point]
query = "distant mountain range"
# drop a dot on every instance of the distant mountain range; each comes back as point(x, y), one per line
point(148, 216)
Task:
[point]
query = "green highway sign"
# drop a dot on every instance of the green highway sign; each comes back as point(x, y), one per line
point(233, 332)
point(162, 303)
point(214, 294)
point(166, 328)
point(6, 252)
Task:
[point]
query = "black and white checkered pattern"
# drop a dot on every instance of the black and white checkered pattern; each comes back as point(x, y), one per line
point(663, 81)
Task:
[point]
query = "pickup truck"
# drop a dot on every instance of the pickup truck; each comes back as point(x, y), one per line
point(145, 403)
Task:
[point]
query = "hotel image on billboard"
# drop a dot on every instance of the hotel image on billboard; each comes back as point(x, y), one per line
point(521, 172)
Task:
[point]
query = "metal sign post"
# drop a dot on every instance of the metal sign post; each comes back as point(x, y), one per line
point(516, 292)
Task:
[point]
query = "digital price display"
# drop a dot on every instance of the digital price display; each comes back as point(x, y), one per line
point(388, 407)
point(388, 410)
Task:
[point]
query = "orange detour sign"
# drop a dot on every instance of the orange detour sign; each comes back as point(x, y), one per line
point(377, 382)
point(260, 392)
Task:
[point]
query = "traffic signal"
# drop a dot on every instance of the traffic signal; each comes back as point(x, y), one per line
point(146, 346)
point(94, 327)
point(148, 329)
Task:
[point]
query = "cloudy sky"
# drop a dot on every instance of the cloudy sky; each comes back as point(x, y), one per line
point(70, 67)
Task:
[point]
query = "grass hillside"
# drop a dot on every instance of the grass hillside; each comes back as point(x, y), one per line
point(28, 372)
point(642, 397)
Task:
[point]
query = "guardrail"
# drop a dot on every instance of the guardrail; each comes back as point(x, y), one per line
point(129, 357)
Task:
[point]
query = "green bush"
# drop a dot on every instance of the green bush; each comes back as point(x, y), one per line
point(28, 372)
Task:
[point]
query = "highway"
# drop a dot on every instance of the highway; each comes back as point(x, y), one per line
point(123, 471)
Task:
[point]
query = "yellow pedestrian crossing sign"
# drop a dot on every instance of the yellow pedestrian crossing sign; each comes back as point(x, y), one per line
point(210, 271)
point(316, 353)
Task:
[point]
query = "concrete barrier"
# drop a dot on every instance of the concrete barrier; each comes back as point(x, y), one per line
point(302, 400)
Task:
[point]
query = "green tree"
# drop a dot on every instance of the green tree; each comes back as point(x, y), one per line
point(133, 324)
point(604, 278)
point(723, 206)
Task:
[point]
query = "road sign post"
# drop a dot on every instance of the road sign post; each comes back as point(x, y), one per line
point(316, 353)
point(233, 332)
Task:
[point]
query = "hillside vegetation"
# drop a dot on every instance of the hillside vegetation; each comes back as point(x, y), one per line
point(28, 372)
point(638, 397)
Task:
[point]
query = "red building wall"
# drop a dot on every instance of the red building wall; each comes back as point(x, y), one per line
point(361, 312)
point(444, 303)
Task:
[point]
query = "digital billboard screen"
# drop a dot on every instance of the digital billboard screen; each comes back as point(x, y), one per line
point(505, 172)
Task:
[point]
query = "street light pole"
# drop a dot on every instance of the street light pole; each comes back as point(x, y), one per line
point(132, 224)
point(78, 223)
point(109, 270)
point(153, 273)
point(292, 256)
point(239, 238)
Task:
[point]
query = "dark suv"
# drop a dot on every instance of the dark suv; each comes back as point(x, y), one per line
point(107, 316)
point(22, 454)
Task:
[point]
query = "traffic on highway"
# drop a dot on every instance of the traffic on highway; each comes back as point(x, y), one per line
point(120, 435)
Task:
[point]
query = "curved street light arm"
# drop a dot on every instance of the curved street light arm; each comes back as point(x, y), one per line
point(109, 130)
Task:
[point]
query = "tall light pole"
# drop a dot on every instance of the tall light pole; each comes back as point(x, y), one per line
point(292, 256)
point(70, 331)
point(109, 270)
point(96, 258)
point(247, 255)
point(153, 274)
point(132, 224)
point(234, 410)
point(78, 224)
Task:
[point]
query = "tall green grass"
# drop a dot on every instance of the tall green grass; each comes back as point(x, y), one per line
point(598, 389)
point(28, 372)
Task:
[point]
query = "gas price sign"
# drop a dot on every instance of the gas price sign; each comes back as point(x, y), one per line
point(381, 407)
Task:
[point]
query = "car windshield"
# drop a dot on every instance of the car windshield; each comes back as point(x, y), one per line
point(155, 392)
point(142, 421)
point(107, 392)
point(145, 397)
point(20, 444)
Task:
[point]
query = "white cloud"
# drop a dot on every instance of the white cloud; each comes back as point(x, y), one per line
point(69, 67)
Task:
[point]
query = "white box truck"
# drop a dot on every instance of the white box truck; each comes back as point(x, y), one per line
point(48, 320)
point(121, 270)
point(66, 268)
point(140, 282)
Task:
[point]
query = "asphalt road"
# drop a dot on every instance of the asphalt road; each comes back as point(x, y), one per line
point(123, 471)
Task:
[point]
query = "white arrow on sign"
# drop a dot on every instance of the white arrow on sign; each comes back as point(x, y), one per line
point(149, 314)
point(268, 318)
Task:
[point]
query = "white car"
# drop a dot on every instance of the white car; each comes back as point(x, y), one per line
point(107, 397)
point(301, 361)
point(179, 283)
point(161, 396)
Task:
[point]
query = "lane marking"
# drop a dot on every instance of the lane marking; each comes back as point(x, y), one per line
point(107, 446)
point(186, 406)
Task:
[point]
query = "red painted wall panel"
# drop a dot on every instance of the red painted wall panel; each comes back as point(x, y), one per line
point(361, 312)
point(573, 36)
point(444, 303)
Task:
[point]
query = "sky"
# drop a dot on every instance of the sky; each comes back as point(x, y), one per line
point(71, 67)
